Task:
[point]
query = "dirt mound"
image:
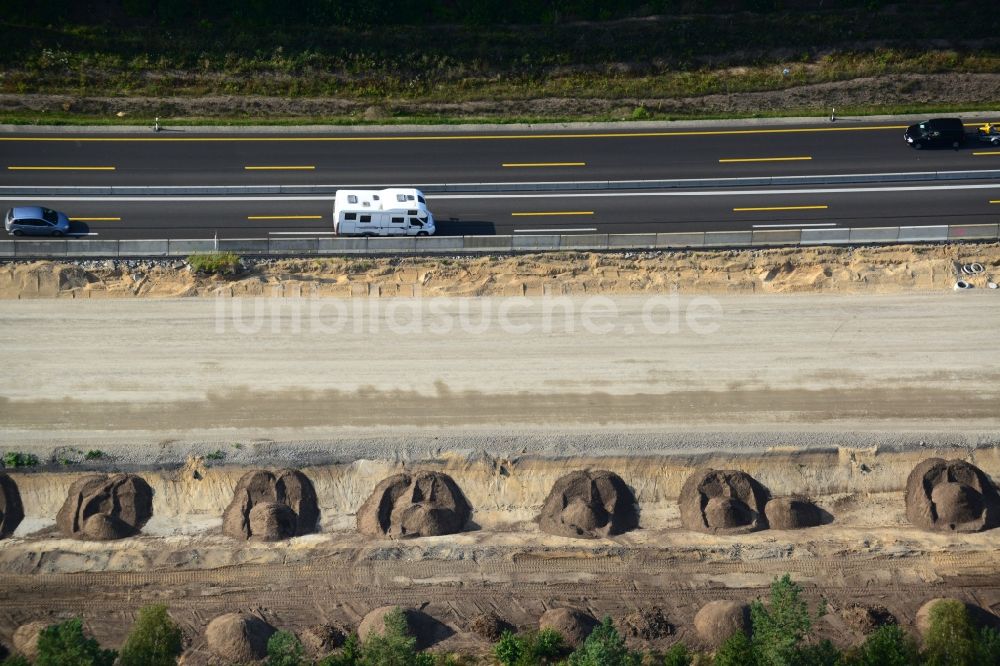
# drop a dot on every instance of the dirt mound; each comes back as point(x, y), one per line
point(322, 639)
point(106, 506)
point(867, 618)
point(718, 620)
point(256, 509)
point(419, 625)
point(489, 626)
point(414, 505)
point(645, 624)
point(722, 502)
point(951, 496)
point(589, 505)
point(26, 639)
point(792, 513)
point(238, 637)
point(573, 625)
point(923, 619)
point(11, 510)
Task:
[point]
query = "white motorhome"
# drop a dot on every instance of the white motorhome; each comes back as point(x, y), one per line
point(396, 211)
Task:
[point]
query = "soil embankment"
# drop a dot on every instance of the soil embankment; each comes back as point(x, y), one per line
point(872, 270)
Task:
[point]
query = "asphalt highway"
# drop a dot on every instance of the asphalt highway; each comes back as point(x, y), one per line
point(180, 158)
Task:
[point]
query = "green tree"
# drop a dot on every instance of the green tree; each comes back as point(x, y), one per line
point(530, 649)
point(154, 640)
point(953, 639)
point(348, 655)
point(15, 660)
point(737, 650)
point(823, 653)
point(604, 647)
point(989, 645)
point(394, 647)
point(678, 655)
point(285, 649)
point(781, 626)
point(66, 645)
point(886, 646)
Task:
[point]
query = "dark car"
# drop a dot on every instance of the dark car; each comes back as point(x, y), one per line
point(36, 221)
point(948, 132)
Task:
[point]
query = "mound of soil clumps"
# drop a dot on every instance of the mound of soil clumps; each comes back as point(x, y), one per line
point(106, 506)
point(792, 513)
point(26, 639)
point(238, 638)
point(951, 496)
point(271, 506)
point(489, 626)
point(320, 640)
point(646, 624)
point(718, 620)
point(414, 505)
point(722, 502)
point(11, 509)
point(865, 619)
point(573, 625)
point(589, 505)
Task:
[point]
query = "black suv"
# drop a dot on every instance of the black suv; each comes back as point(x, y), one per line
point(936, 132)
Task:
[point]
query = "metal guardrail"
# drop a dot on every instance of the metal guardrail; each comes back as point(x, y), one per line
point(758, 238)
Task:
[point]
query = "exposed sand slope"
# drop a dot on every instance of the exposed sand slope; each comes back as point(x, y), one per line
point(889, 269)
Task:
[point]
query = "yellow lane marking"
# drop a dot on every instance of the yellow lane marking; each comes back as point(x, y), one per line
point(763, 159)
point(466, 137)
point(279, 168)
point(567, 212)
point(60, 168)
point(95, 219)
point(740, 210)
point(987, 152)
point(543, 164)
point(284, 217)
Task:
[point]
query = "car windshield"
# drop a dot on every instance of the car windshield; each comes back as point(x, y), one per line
point(50, 215)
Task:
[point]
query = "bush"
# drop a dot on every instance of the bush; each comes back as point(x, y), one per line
point(65, 645)
point(14, 459)
point(15, 660)
point(285, 649)
point(678, 655)
point(395, 647)
point(737, 650)
point(604, 647)
point(215, 263)
point(886, 646)
point(155, 639)
point(953, 640)
point(530, 649)
point(348, 655)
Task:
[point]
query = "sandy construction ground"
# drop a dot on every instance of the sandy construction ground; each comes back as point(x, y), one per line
point(145, 371)
point(535, 371)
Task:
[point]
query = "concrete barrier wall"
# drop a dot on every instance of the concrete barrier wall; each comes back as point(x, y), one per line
point(825, 236)
point(973, 232)
point(327, 245)
point(683, 239)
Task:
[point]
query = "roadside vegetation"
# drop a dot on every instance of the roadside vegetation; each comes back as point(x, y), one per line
point(436, 61)
point(783, 635)
point(215, 263)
